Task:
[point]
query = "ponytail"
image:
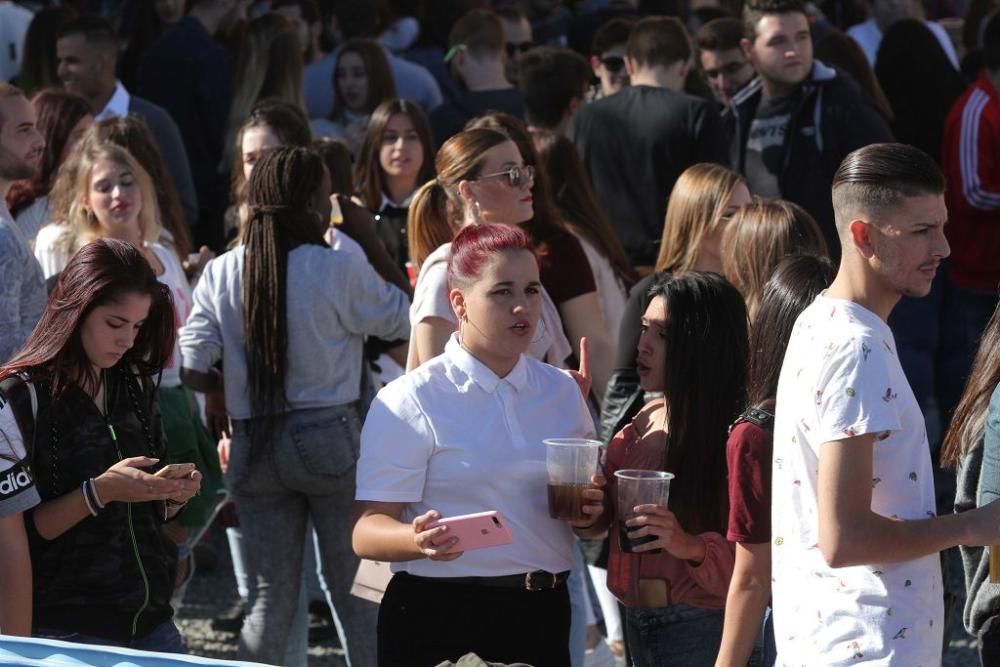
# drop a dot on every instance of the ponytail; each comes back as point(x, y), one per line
point(429, 224)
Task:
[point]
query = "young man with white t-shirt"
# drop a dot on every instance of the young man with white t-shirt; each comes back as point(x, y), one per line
point(855, 537)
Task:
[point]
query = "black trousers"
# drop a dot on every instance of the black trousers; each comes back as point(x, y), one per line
point(423, 622)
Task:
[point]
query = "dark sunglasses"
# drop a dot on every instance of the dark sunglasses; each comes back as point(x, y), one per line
point(613, 64)
point(513, 49)
point(515, 175)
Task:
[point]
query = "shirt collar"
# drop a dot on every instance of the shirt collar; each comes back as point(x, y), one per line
point(117, 105)
point(403, 204)
point(479, 373)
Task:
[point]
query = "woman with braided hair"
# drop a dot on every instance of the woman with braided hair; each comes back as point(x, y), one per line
point(286, 315)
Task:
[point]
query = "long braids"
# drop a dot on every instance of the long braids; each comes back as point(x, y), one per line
point(280, 191)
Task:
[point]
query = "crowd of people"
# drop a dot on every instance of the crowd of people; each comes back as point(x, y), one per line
point(344, 267)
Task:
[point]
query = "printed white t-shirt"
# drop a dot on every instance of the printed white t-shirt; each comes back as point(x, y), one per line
point(17, 486)
point(841, 378)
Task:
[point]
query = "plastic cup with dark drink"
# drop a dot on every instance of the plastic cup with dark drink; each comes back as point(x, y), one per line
point(571, 462)
point(638, 487)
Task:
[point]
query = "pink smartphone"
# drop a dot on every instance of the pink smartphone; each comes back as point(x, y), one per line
point(474, 531)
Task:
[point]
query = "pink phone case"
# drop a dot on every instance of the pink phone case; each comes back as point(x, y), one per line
point(474, 531)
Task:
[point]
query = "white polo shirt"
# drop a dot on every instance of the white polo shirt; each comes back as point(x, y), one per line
point(454, 437)
point(841, 378)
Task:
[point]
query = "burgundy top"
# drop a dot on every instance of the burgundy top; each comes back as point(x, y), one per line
point(702, 585)
point(564, 268)
point(748, 454)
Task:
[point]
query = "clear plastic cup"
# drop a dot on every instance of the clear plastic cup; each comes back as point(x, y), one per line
point(638, 487)
point(571, 462)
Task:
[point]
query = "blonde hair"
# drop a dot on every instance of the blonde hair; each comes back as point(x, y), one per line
point(437, 210)
point(73, 188)
point(695, 209)
point(758, 237)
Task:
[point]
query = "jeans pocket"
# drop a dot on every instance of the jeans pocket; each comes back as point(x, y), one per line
point(328, 447)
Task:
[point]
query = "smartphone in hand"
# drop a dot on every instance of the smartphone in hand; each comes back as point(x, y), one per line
point(175, 471)
point(474, 531)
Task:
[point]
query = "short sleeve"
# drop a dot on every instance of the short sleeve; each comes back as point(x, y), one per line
point(17, 485)
point(430, 298)
point(748, 456)
point(396, 446)
point(854, 394)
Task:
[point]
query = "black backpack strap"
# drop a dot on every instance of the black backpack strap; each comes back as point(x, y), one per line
point(761, 416)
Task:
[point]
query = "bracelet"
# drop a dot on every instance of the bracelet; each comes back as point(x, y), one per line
point(86, 499)
point(92, 485)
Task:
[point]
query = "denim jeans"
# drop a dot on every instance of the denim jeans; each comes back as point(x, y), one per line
point(765, 653)
point(165, 638)
point(304, 472)
point(678, 635)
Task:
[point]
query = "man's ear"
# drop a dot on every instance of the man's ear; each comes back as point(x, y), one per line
point(631, 66)
point(595, 64)
point(862, 234)
point(685, 68)
point(747, 47)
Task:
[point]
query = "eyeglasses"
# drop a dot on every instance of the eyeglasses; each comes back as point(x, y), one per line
point(613, 64)
point(515, 175)
point(513, 49)
point(729, 69)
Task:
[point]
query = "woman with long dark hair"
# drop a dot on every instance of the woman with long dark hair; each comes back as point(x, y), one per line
point(693, 349)
point(361, 81)
point(701, 203)
point(584, 218)
point(972, 445)
point(396, 158)
point(287, 316)
point(63, 118)
point(794, 285)
point(81, 394)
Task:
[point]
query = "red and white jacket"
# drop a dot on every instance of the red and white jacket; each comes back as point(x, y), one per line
point(970, 157)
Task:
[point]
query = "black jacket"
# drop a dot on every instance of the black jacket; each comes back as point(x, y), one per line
point(94, 578)
point(831, 119)
point(635, 144)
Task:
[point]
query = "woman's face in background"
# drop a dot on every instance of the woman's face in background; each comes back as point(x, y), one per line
point(257, 141)
point(499, 201)
point(352, 80)
point(401, 153)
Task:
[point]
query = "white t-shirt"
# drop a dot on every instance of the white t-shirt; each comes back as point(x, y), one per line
point(430, 299)
point(841, 378)
point(454, 437)
point(869, 38)
point(611, 292)
point(52, 249)
point(173, 277)
point(17, 487)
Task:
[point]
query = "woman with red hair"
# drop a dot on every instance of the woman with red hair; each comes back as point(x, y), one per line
point(418, 464)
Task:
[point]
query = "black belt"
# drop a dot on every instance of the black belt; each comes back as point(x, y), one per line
point(538, 580)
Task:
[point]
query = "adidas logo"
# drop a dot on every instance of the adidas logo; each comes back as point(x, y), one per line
point(14, 482)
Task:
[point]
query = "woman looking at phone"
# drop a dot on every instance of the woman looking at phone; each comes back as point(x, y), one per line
point(418, 463)
point(670, 566)
point(81, 395)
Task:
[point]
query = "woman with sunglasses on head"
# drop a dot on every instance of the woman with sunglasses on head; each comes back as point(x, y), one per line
point(566, 272)
point(795, 283)
point(81, 400)
point(506, 603)
point(287, 316)
point(700, 205)
point(670, 566)
point(481, 178)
